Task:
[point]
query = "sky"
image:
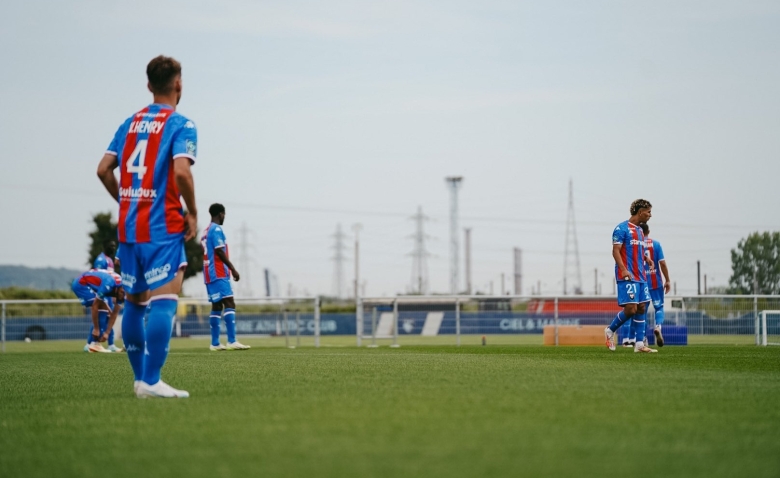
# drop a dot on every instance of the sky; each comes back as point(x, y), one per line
point(315, 114)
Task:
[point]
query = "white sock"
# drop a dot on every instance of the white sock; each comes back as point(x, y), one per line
point(639, 344)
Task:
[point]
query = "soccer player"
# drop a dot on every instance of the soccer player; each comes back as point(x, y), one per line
point(217, 269)
point(656, 284)
point(106, 261)
point(153, 149)
point(95, 288)
point(628, 250)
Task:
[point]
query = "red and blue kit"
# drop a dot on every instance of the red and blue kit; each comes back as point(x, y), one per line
point(216, 274)
point(151, 219)
point(103, 262)
point(95, 284)
point(634, 290)
point(656, 253)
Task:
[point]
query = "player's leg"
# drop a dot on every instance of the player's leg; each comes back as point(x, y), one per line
point(657, 295)
point(621, 318)
point(644, 302)
point(163, 266)
point(229, 315)
point(214, 316)
point(136, 300)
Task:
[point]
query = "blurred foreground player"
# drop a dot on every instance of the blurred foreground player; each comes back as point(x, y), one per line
point(106, 261)
point(628, 251)
point(217, 269)
point(95, 289)
point(153, 150)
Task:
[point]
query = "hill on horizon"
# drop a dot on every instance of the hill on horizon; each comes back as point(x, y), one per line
point(41, 278)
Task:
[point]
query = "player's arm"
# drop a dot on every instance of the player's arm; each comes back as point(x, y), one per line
point(105, 172)
point(117, 266)
point(665, 272)
point(220, 252)
point(183, 176)
point(619, 261)
point(648, 260)
point(95, 318)
point(111, 322)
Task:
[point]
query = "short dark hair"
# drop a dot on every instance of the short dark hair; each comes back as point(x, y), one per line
point(108, 241)
point(161, 72)
point(639, 204)
point(215, 209)
point(645, 228)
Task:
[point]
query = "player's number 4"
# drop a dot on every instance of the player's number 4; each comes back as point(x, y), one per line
point(138, 156)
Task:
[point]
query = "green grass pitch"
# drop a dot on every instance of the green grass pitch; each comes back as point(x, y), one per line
point(420, 411)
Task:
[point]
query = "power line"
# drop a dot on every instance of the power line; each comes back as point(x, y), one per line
point(419, 254)
point(338, 262)
point(571, 251)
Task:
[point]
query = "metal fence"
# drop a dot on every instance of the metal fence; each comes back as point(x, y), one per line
point(456, 320)
point(410, 320)
point(296, 321)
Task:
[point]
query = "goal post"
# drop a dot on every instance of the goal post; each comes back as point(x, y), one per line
point(770, 337)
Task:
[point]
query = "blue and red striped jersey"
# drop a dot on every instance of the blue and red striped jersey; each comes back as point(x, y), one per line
point(103, 262)
point(656, 252)
point(102, 283)
point(632, 251)
point(146, 145)
point(213, 267)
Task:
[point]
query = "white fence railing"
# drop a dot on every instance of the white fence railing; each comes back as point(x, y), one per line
point(709, 319)
point(409, 320)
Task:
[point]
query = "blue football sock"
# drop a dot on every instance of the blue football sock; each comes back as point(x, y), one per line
point(162, 310)
point(214, 324)
point(619, 320)
point(89, 337)
point(659, 315)
point(134, 336)
point(230, 324)
point(111, 337)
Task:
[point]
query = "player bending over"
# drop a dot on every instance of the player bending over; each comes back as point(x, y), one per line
point(217, 269)
point(95, 289)
point(106, 261)
point(628, 250)
point(153, 149)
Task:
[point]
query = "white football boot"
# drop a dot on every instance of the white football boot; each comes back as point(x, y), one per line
point(641, 348)
point(217, 348)
point(237, 346)
point(113, 348)
point(97, 347)
point(159, 390)
point(86, 347)
point(610, 338)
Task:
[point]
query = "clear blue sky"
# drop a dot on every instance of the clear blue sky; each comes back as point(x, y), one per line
point(317, 113)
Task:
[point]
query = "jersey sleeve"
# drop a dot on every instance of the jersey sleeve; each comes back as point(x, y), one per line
point(659, 252)
point(618, 236)
point(218, 238)
point(185, 141)
point(113, 147)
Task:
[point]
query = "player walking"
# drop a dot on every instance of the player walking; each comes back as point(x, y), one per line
point(658, 286)
point(95, 289)
point(153, 150)
point(106, 261)
point(628, 250)
point(217, 269)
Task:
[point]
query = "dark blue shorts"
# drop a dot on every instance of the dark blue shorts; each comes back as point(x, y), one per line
point(150, 265)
